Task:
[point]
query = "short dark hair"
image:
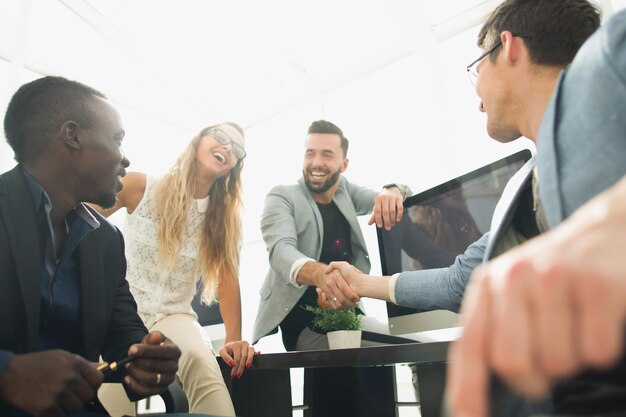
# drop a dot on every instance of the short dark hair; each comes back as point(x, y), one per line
point(553, 30)
point(324, 126)
point(39, 108)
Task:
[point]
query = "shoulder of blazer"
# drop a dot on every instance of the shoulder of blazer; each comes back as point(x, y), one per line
point(287, 190)
point(14, 191)
point(7, 177)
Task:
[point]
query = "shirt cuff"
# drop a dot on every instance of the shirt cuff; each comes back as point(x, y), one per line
point(392, 287)
point(5, 355)
point(295, 269)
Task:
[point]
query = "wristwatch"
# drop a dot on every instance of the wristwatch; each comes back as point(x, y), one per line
point(400, 188)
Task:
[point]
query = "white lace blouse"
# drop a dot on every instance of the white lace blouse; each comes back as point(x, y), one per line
point(159, 290)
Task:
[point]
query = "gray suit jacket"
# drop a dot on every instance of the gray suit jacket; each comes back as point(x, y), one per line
point(582, 141)
point(443, 288)
point(581, 152)
point(292, 229)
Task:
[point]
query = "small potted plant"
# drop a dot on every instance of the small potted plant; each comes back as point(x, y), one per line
point(343, 327)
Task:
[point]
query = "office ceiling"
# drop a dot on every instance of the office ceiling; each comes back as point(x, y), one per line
point(250, 60)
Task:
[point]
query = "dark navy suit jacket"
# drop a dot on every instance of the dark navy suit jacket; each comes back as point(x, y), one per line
point(108, 310)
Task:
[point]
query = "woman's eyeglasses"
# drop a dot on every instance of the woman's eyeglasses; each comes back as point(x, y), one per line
point(222, 137)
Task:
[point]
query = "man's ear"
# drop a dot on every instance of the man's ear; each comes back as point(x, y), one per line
point(513, 47)
point(344, 165)
point(70, 134)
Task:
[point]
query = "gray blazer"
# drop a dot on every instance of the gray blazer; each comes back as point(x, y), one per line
point(292, 228)
point(581, 152)
point(582, 146)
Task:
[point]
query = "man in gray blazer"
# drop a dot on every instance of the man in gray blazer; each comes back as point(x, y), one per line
point(550, 316)
point(307, 225)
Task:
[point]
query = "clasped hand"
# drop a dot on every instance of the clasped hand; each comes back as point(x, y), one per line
point(338, 291)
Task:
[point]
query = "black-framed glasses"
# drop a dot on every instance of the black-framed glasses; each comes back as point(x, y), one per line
point(471, 68)
point(224, 139)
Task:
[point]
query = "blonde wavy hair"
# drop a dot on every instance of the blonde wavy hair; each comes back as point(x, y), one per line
point(220, 240)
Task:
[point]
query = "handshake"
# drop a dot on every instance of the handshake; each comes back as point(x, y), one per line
point(339, 285)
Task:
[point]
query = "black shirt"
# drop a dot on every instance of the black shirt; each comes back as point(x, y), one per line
point(336, 246)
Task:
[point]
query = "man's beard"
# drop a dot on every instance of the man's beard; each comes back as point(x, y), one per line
point(326, 185)
point(107, 201)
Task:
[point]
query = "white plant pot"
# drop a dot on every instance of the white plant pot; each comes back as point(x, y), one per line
point(344, 339)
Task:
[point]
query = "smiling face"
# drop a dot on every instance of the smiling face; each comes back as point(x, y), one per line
point(323, 163)
point(216, 159)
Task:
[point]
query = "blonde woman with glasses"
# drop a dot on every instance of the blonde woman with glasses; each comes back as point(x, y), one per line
point(180, 228)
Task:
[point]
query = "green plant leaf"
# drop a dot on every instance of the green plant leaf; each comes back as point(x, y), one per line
point(328, 320)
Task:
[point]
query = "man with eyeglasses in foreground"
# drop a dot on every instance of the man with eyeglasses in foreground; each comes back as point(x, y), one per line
point(549, 316)
point(527, 44)
point(517, 76)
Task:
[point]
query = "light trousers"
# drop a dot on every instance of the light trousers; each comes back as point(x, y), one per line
point(198, 371)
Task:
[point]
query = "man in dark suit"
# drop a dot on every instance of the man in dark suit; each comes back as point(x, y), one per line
point(64, 299)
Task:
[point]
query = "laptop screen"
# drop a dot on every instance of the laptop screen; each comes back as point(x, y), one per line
point(452, 216)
